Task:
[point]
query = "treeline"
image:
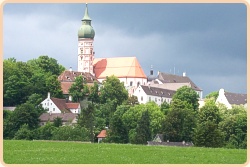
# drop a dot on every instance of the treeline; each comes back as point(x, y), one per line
point(36, 76)
point(109, 107)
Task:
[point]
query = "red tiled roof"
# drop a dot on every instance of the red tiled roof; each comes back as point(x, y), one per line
point(72, 105)
point(64, 105)
point(102, 134)
point(65, 116)
point(69, 76)
point(119, 66)
point(65, 87)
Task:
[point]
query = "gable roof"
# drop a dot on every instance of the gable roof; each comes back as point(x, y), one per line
point(170, 78)
point(102, 134)
point(65, 116)
point(72, 105)
point(160, 92)
point(69, 76)
point(236, 98)
point(64, 105)
point(120, 67)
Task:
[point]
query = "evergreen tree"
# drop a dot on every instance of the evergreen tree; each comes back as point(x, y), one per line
point(143, 133)
point(94, 93)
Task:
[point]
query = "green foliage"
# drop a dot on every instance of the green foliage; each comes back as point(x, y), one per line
point(94, 93)
point(47, 65)
point(234, 127)
point(180, 121)
point(187, 94)
point(23, 133)
point(165, 108)
point(113, 90)
point(133, 115)
point(70, 133)
point(45, 132)
point(143, 132)
point(57, 122)
point(79, 89)
point(26, 114)
point(207, 133)
point(86, 119)
point(213, 95)
point(118, 132)
point(132, 100)
point(21, 79)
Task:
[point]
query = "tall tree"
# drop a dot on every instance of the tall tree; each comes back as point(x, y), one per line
point(179, 122)
point(187, 94)
point(143, 133)
point(86, 119)
point(79, 89)
point(94, 93)
point(113, 90)
point(47, 65)
point(207, 133)
point(118, 132)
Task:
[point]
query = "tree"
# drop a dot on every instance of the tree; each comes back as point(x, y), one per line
point(45, 132)
point(94, 93)
point(53, 86)
point(132, 100)
point(234, 127)
point(143, 133)
point(187, 94)
point(113, 90)
point(179, 122)
point(86, 120)
point(207, 133)
point(79, 89)
point(25, 114)
point(47, 65)
point(165, 108)
point(212, 95)
point(118, 132)
point(57, 122)
point(70, 133)
point(24, 133)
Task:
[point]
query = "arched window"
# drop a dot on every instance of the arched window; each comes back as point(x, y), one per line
point(138, 83)
point(131, 83)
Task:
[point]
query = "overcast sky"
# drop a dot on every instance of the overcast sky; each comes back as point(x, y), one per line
point(207, 41)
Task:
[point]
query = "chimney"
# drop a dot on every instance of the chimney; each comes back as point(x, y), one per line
point(184, 74)
point(70, 69)
point(48, 95)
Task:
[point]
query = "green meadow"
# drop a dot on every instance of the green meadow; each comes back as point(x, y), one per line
point(54, 152)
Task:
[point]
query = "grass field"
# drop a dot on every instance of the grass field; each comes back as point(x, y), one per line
point(48, 152)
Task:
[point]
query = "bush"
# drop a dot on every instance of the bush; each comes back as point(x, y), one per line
point(24, 133)
point(70, 133)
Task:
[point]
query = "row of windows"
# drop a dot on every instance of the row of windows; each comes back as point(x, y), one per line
point(159, 99)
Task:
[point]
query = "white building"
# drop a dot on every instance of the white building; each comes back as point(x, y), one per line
point(158, 95)
point(55, 106)
point(230, 99)
point(174, 82)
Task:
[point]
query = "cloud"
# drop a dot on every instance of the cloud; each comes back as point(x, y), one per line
point(206, 41)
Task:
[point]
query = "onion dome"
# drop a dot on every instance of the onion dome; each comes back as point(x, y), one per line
point(86, 30)
point(151, 77)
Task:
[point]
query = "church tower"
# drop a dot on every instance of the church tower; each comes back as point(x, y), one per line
point(86, 52)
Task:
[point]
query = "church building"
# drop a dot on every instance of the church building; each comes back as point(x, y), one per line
point(127, 69)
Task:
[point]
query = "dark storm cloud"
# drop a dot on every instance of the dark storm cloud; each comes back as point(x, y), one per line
point(208, 41)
